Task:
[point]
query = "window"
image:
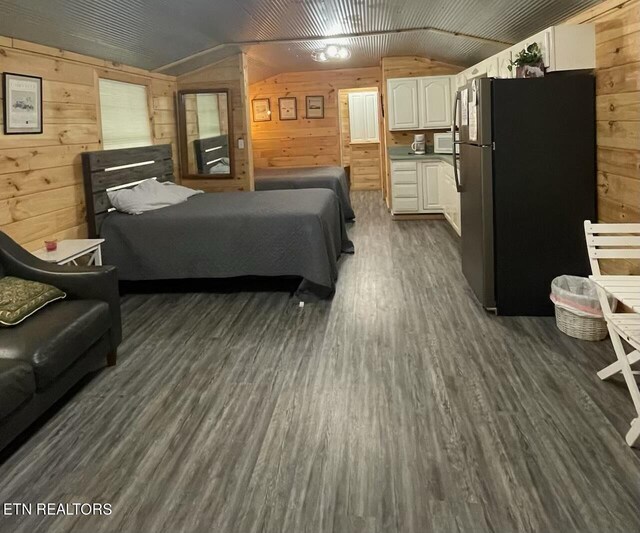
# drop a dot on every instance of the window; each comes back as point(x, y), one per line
point(363, 117)
point(208, 116)
point(124, 112)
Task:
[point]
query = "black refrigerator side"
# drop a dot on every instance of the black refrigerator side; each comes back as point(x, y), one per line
point(544, 186)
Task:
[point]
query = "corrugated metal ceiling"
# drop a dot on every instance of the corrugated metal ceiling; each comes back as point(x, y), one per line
point(151, 34)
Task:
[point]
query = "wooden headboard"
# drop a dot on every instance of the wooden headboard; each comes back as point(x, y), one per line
point(118, 169)
point(209, 151)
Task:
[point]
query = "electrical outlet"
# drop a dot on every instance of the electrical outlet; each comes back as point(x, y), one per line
point(241, 144)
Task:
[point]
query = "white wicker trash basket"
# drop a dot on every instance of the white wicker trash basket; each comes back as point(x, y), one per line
point(578, 310)
point(580, 327)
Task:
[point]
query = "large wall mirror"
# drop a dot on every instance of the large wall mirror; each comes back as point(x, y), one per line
point(206, 137)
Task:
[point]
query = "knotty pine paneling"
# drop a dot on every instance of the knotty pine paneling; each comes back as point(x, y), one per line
point(617, 25)
point(308, 142)
point(41, 189)
point(231, 74)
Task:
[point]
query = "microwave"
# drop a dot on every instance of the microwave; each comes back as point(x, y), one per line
point(442, 143)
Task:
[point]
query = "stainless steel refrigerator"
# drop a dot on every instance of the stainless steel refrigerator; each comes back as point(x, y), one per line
point(527, 181)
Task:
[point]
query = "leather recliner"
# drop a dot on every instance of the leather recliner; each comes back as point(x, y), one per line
point(49, 352)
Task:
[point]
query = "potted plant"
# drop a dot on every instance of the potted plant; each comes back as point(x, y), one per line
point(529, 62)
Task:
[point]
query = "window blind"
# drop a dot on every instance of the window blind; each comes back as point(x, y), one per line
point(124, 113)
point(208, 116)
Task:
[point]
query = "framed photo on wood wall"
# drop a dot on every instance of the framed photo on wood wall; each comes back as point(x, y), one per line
point(315, 106)
point(22, 109)
point(288, 108)
point(261, 109)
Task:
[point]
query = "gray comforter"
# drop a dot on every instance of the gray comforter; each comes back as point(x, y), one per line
point(334, 178)
point(271, 233)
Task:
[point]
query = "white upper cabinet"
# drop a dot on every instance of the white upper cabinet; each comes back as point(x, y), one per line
point(477, 71)
point(493, 67)
point(567, 47)
point(544, 42)
point(435, 102)
point(419, 103)
point(504, 60)
point(572, 47)
point(564, 47)
point(363, 117)
point(403, 109)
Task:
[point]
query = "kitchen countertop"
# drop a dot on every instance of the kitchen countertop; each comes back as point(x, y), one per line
point(404, 153)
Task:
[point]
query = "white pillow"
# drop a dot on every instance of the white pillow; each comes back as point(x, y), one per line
point(149, 195)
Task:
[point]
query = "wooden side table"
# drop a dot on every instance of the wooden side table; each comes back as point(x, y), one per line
point(71, 249)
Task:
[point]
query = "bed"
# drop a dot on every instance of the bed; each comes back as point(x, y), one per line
point(216, 235)
point(212, 155)
point(334, 178)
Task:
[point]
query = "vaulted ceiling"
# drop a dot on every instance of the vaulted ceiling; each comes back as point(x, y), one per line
point(279, 35)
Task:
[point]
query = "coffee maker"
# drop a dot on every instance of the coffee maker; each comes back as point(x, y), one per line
point(419, 144)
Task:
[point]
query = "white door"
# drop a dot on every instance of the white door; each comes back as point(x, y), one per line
point(430, 189)
point(435, 102)
point(403, 104)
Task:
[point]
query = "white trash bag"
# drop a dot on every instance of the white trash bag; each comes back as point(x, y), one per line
point(578, 295)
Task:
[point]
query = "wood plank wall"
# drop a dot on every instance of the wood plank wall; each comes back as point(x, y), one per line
point(307, 142)
point(617, 107)
point(363, 158)
point(407, 67)
point(41, 194)
point(231, 74)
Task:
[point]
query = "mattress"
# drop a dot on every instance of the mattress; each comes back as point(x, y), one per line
point(334, 178)
point(269, 233)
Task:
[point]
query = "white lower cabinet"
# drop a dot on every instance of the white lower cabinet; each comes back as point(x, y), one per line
point(425, 187)
point(429, 178)
point(404, 186)
point(414, 187)
point(449, 196)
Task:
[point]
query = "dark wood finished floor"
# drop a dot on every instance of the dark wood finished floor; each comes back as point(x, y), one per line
point(400, 406)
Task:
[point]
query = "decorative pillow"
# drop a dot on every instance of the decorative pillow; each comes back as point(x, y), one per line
point(149, 195)
point(20, 298)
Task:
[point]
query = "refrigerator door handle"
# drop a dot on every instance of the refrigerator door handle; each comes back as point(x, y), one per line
point(455, 143)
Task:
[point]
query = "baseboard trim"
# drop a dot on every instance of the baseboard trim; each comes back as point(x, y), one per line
point(418, 216)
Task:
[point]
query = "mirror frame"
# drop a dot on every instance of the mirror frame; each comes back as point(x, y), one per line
point(182, 135)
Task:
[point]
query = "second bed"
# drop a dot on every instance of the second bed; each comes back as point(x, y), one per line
point(334, 178)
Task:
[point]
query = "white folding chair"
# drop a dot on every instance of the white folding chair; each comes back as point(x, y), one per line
point(618, 241)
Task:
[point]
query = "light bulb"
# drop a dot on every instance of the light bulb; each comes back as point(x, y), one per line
point(332, 50)
point(343, 53)
point(319, 55)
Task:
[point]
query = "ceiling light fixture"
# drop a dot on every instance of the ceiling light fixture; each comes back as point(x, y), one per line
point(331, 53)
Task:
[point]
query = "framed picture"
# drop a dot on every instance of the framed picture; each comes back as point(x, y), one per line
point(261, 110)
point(22, 109)
point(315, 106)
point(288, 108)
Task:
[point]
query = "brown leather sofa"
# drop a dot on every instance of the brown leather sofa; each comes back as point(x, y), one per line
point(48, 353)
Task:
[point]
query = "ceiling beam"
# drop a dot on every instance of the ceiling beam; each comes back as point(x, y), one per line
point(309, 38)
